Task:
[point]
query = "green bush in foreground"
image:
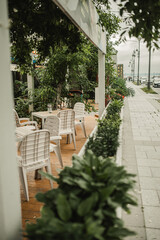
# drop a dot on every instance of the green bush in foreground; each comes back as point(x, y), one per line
point(85, 203)
point(105, 141)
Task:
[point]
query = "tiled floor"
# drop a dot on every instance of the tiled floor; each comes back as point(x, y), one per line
point(141, 156)
point(31, 209)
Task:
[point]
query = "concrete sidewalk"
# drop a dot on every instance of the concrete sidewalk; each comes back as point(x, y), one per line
point(141, 156)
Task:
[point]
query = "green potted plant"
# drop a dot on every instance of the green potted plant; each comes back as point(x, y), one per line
point(84, 206)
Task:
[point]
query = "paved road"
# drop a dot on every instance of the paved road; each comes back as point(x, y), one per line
point(157, 90)
point(141, 156)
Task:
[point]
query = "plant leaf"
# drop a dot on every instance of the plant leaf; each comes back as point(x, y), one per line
point(63, 207)
point(86, 205)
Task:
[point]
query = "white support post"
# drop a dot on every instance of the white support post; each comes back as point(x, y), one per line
point(30, 82)
point(101, 81)
point(96, 95)
point(10, 210)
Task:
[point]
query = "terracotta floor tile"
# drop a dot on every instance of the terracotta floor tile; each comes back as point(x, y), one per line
point(31, 209)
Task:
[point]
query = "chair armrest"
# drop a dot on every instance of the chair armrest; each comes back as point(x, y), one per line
point(52, 138)
point(30, 123)
point(23, 119)
point(80, 117)
point(19, 160)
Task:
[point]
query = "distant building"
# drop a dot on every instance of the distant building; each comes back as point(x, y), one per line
point(120, 70)
point(114, 59)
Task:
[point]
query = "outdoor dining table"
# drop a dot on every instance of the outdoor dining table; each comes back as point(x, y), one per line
point(20, 132)
point(43, 115)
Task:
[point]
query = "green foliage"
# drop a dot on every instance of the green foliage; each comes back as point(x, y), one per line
point(21, 100)
point(20, 89)
point(22, 106)
point(146, 90)
point(114, 107)
point(39, 25)
point(51, 79)
point(118, 86)
point(105, 141)
point(144, 19)
point(85, 203)
point(83, 67)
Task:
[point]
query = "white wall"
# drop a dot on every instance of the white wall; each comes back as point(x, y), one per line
point(10, 211)
point(101, 82)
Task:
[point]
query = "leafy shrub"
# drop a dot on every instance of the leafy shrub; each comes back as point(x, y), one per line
point(120, 87)
point(114, 107)
point(22, 106)
point(21, 100)
point(105, 141)
point(85, 203)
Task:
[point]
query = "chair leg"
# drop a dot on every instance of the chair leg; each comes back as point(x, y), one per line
point(58, 154)
point(67, 139)
point(70, 138)
point(75, 131)
point(48, 168)
point(83, 128)
point(74, 139)
point(23, 178)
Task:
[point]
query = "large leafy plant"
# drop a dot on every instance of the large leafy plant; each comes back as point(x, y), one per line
point(105, 141)
point(114, 107)
point(22, 98)
point(118, 89)
point(119, 85)
point(84, 205)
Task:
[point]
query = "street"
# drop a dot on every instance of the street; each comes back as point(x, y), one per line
point(157, 90)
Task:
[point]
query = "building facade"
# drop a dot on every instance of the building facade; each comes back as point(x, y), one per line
point(120, 71)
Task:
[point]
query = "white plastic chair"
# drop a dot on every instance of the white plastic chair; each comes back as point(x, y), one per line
point(52, 124)
point(34, 154)
point(27, 124)
point(79, 109)
point(67, 123)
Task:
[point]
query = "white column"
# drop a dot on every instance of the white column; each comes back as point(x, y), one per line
point(96, 95)
point(10, 210)
point(101, 81)
point(30, 82)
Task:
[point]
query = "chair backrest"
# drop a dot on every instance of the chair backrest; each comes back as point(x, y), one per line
point(35, 147)
point(16, 118)
point(79, 108)
point(67, 119)
point(52, 124)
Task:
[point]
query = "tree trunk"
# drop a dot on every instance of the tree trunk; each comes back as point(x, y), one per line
point(59, 90)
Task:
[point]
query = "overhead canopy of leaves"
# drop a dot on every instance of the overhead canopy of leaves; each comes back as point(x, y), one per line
point(145, 16)
point(107, 20)
point(39, 25)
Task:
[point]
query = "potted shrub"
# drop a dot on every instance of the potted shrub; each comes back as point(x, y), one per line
point(85, 203)
point(105, 141)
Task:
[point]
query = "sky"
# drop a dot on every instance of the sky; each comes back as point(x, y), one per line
point(126, 49)
point(124, 56)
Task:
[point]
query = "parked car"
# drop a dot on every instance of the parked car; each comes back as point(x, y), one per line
point(156, 82)
point(143, 80)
